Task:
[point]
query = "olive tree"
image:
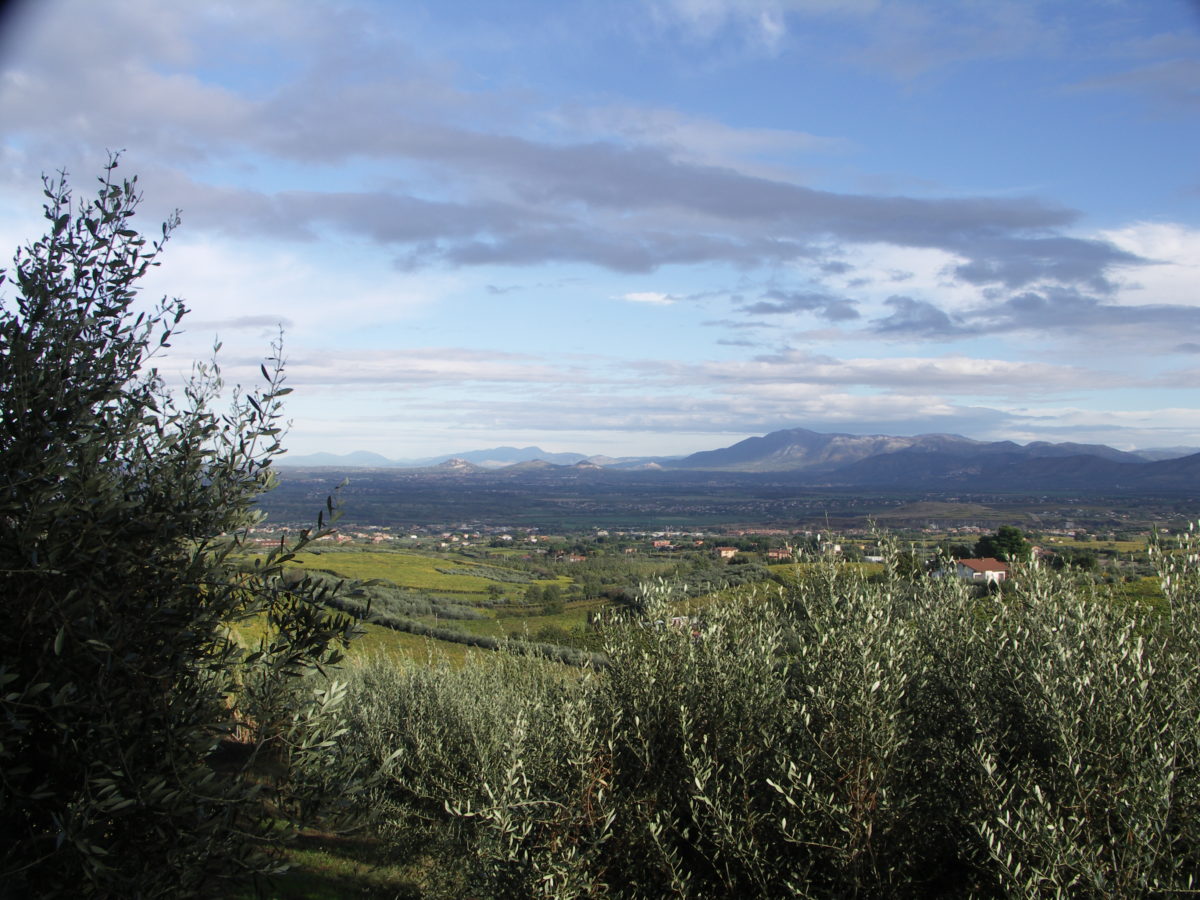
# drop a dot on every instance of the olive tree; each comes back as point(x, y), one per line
point(124, 511)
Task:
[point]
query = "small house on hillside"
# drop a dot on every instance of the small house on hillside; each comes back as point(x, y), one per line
point(726, 552)
point(984, 570)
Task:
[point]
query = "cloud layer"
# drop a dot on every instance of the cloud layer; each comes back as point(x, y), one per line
point(610, 221)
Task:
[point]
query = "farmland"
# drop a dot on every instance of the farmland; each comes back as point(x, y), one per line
point(407, 570)
point(454, 592)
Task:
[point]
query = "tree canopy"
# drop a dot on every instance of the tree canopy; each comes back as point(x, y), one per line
point(1008, 543)
point(124, 512)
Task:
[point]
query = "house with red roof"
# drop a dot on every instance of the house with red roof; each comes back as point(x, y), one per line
point(984, 570)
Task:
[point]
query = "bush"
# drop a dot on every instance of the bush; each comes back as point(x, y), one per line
point(831, 737)
point(121, 510)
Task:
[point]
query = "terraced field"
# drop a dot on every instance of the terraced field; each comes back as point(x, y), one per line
point(466, 583)
point(406, 570)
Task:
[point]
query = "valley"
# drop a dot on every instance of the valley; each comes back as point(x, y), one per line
point(573, 500)
point(791, 478)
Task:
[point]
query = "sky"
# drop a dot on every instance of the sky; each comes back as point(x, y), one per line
point(649, 227)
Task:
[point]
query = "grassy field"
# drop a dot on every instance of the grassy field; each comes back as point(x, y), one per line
point(1145, 591)
point(1119, 546)
point(409, 570)
point(449, 575)
point(502, 622)
point(377, 639)
point(935, 509)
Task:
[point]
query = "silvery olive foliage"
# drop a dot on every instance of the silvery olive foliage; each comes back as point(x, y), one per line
point(123, 507)
point(902, 736)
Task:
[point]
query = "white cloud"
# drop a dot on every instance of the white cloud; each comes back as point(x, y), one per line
point(795, 372)
point(654, 298)
point(1123, 429)
point(315, 147)
point(236, 291)
point(452, 366)
point(880, 271)
point(1175, 251)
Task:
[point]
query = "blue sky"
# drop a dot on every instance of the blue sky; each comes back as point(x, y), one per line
point(651, 226)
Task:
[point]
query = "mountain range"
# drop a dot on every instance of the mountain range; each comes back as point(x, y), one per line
point(949, 461)
point(927, 461)
point(496, 457)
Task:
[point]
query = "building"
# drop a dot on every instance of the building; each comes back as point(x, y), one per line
point(984, 570)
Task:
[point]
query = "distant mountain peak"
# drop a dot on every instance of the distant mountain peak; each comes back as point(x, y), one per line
point(888, 458)
point(935, 460)
point(529, 465)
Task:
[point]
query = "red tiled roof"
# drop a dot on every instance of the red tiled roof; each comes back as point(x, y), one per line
point(987, 564)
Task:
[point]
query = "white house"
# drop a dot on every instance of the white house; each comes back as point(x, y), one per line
point(984, 570)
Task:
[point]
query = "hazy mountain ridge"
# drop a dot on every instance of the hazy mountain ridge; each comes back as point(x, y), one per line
point(493, 458)
point(802, 449)
point(932, 461)
point(794, 448)
point(940, 461)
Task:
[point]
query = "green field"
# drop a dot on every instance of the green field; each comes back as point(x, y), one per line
point(407, 570)
point(376, 639)
point(1119, 546)
point(502, 623)
point(450, 575)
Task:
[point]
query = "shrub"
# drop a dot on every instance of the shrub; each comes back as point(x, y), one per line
point(121, 509)
point(830, 737)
